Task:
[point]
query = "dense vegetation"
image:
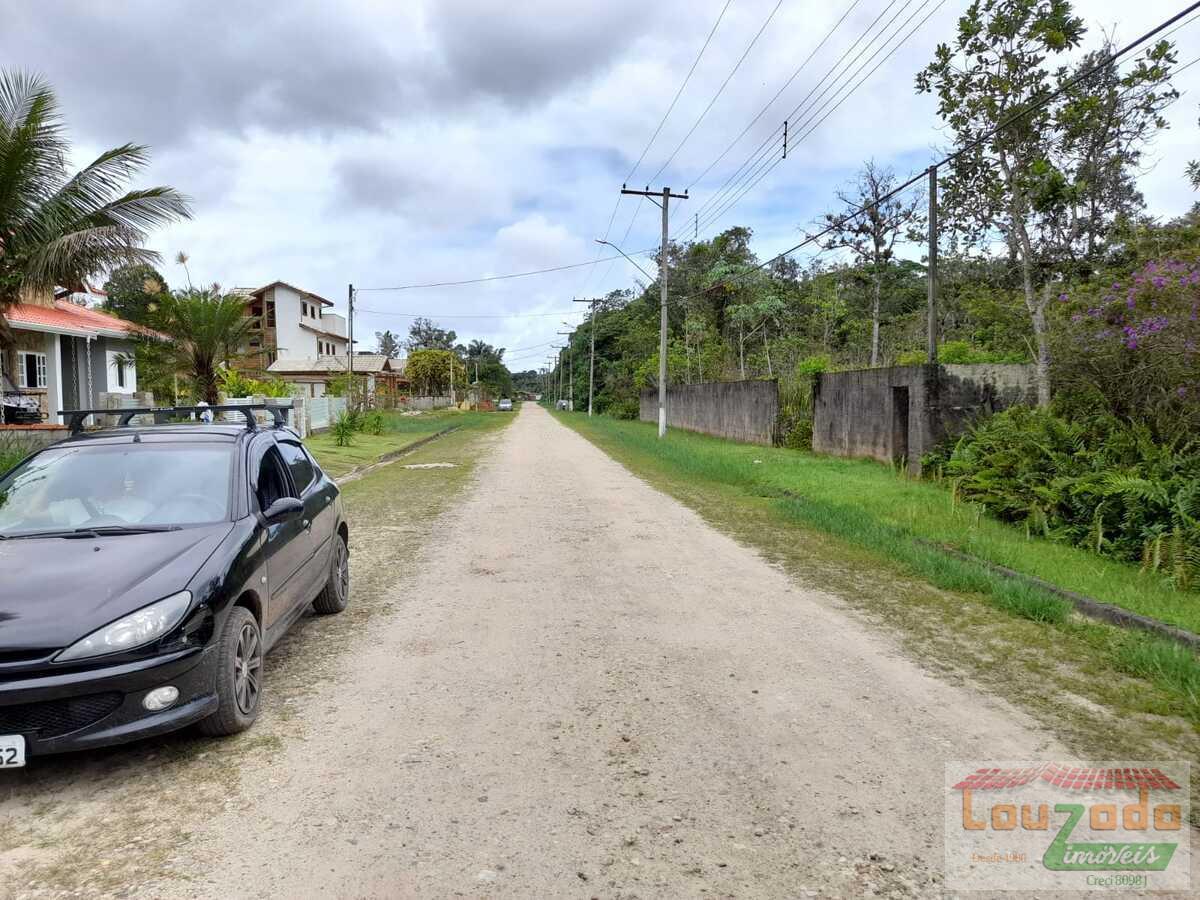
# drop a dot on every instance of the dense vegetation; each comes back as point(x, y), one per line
point(1047, 255)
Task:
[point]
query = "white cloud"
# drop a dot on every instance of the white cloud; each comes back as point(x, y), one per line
point(385, 144)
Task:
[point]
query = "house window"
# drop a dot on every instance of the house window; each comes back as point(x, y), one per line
point(271, 314)
point(120, 373)
point(31, 369)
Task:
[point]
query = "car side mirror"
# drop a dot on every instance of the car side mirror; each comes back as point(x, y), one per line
point(283, 509)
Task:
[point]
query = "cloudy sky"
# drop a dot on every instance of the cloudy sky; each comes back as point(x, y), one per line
point(388, 144)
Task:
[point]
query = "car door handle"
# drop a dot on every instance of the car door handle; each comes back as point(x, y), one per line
point(307, 525)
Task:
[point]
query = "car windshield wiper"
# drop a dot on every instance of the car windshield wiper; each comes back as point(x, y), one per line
point(94, 532)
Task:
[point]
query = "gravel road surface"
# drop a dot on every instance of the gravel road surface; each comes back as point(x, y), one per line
point(587, 691)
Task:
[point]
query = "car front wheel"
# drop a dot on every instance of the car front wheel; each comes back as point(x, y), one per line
point(239, 674)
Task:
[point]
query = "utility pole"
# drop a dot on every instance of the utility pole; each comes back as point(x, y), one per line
point(570, 369)
point(350, 345)
point(592, 361)
point(662, 283)
point(451, 377)
point(933, 249)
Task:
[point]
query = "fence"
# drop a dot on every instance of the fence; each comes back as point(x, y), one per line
point(739, 410)
point(899, 413)
point(424, 403)
point(322, 412)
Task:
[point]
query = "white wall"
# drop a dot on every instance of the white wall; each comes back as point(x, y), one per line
point(113, 386)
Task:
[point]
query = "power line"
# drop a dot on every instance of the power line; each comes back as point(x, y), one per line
point(720, 90)
point(437, 284)
point(654, 136)
point(769, 103)
point(819, 90)
point(983, 138)
point(773, 140)
point(443, 315)
point(840, 100)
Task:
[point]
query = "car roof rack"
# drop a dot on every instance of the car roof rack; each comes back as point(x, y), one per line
point(279, 412)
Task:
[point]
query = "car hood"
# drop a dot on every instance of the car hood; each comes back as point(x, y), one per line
point(53, 591)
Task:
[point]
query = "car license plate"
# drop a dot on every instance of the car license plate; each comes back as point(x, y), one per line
point(12, 751)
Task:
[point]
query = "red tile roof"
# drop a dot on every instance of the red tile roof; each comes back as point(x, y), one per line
point(1078, 778)
point(70, 318)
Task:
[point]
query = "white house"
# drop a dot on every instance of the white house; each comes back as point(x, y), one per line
point(292, 323)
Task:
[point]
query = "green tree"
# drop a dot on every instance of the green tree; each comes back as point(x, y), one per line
point(429, 372)
point(871, 236)
point(389, 344)
point(134, 292)
point(57, 228)
point(1049, 181)
point(424, 334)
point(206, 330)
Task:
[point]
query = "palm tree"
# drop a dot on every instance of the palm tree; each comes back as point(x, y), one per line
point(57, 228)
point(206, 329)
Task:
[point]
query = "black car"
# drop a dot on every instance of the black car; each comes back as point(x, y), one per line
point(146, 570)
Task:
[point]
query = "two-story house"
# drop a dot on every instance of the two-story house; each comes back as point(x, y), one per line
point(290, 323)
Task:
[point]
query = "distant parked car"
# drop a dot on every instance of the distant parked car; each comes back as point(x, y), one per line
point(145, 571)
point(505, 405)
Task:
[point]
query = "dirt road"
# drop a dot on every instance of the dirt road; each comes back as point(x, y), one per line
point(586, 691)
point(575, 688)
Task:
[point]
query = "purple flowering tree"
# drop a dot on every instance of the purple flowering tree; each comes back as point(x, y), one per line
point(1133, 348)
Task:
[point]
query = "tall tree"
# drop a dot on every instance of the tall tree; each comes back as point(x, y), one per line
point(1044, 183)
point(134, 292)
point(871, 237)
point(389, 344)
point(206, 329)
point(424, 334)
point(57, 228)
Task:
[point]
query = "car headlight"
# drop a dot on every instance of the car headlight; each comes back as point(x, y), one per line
point(147, 624)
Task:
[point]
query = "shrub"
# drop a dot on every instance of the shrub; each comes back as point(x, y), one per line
point(958, 353)
point(625, 408)
point(793, 427)
point(343, 429)
point(1101, 483)
point(373, 422)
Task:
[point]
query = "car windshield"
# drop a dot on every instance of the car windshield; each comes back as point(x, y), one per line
point(116, 486)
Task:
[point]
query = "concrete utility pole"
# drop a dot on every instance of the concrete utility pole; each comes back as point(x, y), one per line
point(570, 368)
point(933, 249)
point(592, 361)
point(350, 344)
point(451, 377)
point(662, 286)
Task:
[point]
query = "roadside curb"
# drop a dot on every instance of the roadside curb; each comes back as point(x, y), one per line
point(1092, 608)
point(392, 455)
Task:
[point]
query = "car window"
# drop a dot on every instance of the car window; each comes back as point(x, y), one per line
point(272, 482)
point(126, 484)
point(302, 470)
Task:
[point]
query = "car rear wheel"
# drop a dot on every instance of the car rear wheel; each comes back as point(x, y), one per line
point(335, 596)
point(239, 674)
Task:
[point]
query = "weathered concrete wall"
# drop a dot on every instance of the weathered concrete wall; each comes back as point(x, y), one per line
point(900, 413)
point(739, 410)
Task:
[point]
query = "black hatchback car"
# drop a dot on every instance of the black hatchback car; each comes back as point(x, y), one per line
point(146, 570)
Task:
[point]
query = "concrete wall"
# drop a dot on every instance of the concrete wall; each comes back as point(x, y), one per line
point(739, 410)
point(902, 412)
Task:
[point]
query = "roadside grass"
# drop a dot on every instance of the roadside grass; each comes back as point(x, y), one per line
point(1106, 692)
point(871, 504)
point(399, 431)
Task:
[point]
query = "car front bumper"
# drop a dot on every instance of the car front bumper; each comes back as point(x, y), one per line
point(64, 711)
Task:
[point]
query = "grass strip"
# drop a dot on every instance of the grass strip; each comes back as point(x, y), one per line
point(399, 433)
point(809, 493)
